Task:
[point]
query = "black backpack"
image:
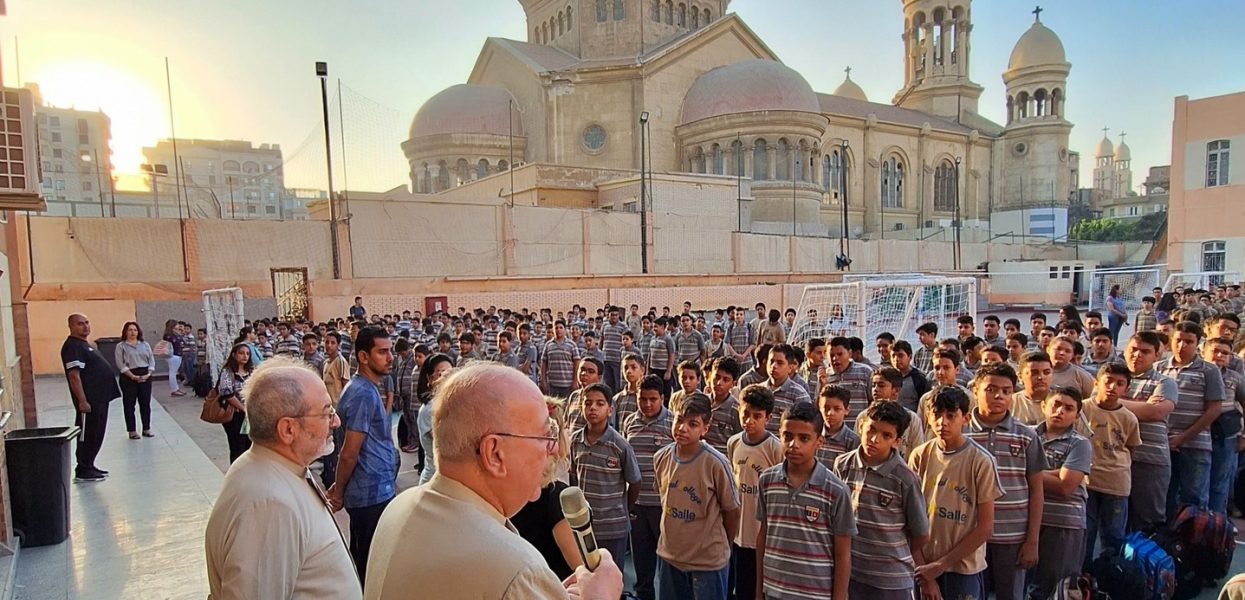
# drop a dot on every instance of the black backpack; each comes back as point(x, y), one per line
point(1118, 577)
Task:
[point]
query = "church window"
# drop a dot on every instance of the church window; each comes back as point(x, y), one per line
point(1039, 103)
point(620, 10)
point(570, 20)
point(594, 138)
point(426, 181)
point(835, 172)
point(462, 170)
point(782, 161)
point(1214, 258)
point(718, 166)
point(1022, 105)
point(892, 183)
point(944, 187)
point(708, 17)
point(695, 18)
point(737, 152)
point(669, 12)
point(682, 15)
point(698, 163)
point(443, 176)
point(482, 168)
point(760, 161)
point(657, 11)
point(602, 11)
point(798, 163)
point(1056, 101)
point(1217, 163)
point(561, 23)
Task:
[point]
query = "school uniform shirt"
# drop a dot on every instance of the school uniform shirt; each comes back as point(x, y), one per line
point(1073, 376)
point(659, 350)
point(786, 395)
point(834, 445)
point(1144, 387)
point(923, 360)
point(559, 363)
point(1200, 383)
point(740, 337)
point(856, 378)
point(688, 345)
point(889, 510)
point(1115, 433)
point(646, 437)
point(626, 403)
point(954, 484)
point(915, 385)
point(1229, 422)
point(770, 333)
point(694, 494)
point(916, 434)
point(529, 354)
point(1017, 453)
point(1072, 451)
point(335, 371)
point(1027, 410)
point(611, 341)
point(488, 342)
point(1145, 320)
point(510, 359)
point(604, 469)
point(748, 461)
point(800, 526)
point(1092, 365)
point(723, 423)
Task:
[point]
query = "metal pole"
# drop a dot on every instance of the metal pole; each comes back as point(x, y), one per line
point(233, 214)
point(322, 71)
point(643, 194)
point(510, 133)
point(957, 213)
point(168, 81)
point(794, 159)
point(99, 181)
point(739, 181)
point(846, 242)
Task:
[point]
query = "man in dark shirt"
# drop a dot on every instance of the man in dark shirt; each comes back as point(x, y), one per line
point(92, 385)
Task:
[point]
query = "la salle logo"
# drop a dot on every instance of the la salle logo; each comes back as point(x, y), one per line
point(885, 499)
point(1017, 449)
point(811, 513)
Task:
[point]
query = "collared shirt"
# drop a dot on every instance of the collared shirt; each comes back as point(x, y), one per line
point(740, 338)
point(748, 461)
point(626, 403)
point(1069, 450)
point(604, 469)
point(1145, 321)
point(752, 376)
point(362, 410)
point(335, 371)
point(954, 485)
point(559, 363)
point(488, 341)
point(889, 511)
point(1017, 453)
point(99, 383)
point(1144, 387)
point(694, 494)
point(923, 360)
point(688, 345)
point(646, 437)
point(289, 346)
point(271, 535)
point(138, 356)
point(1200, 384)
point(834, 445)
point(785, 396)
point(723, 423)
point(800, 527)
point(1092, 364)
point(916, 434)
point(611, 341)
point(660, 349)
point(316, 361)
point(856, 378)
point(462, 527)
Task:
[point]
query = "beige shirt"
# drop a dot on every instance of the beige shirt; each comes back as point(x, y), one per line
point(1115, 434)
point(442, 541)
point(270, 535)
point(336, 375)
point(1076, 377)
point(955, 485)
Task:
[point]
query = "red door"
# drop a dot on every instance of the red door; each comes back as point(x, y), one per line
point(434, 304)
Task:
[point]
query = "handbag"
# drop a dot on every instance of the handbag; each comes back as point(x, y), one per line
point(162, 349)
point(213, 412)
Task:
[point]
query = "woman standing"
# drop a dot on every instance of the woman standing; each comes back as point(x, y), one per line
point(136, 362)
point(229, 390)
point(430, 375)
point(1116, 315)
point(174, 339)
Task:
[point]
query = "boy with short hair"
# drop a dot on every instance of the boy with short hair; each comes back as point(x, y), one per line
point(1146, 318)
point(724, 422)
point(1037, 324)
point(1017, 344)
point(1201, 400)
point(700, 508)
point(887, 503)
point(782, 365)
point(604, 466)
point(1114, 432)
point(1068, 457)
point(626, 401)
point(964, 326)
point(1017, 452)
point(589, 374)
point(1064, 372)
point(923, 360)
point(1227, 426)
point(503, 353)
point(838, 438)
point(849, 375)
point(804, 547)
point(885, 385)
point(1035, 373)
point(961, 515)
point(660, 358)
point(648, 430)
point(1101, 350)
point(689, 381)
point(750, 453)
point(915, 384)
point(990, 330)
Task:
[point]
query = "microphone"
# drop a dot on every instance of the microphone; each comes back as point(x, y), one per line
point(579, 516)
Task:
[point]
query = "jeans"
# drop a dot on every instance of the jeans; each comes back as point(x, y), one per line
point(1190, 480)
point(645, 533)
point(673, 584)
point(1106, 515)
point(1114, 324)
point(1223, 461)
point(1008, 579)
point(175, 365)
point(1147, 503)
point(958, 586)
point(363, 522)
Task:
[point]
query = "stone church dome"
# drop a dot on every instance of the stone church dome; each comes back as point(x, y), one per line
point(1105, 148)
point(1038, 46)
point(849, 89)
point(748, 86)
point(467, 108)
point(1123, 152)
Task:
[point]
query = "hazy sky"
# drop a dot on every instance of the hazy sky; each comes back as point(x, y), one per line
point(243, 69)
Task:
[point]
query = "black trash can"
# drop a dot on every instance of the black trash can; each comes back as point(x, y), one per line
point(107, 347)
point(39, 461)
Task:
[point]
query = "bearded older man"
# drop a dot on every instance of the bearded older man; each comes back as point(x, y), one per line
point(271, 533)
point(451, 539)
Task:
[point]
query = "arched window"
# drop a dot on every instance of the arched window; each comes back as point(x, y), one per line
point(737, 153)
point(669, 12)
point(536, 35)
point(798, 162)
point(718, 167)
point(699, 161)
point(1011, 109)
point(544, 33)
point(502, 166)
point(682, 22)
point(1214, 258)
point(944, 187)
point(1039, 103)
point(836, 173)
point(1056, 102)
point(892, 183)
point(695, 18)
point(425, 182)
point(657, 11)
point(603, 11)
point(443, 176)
point(570, 20)
point(561, 23)
point(760, 161)
point(620, 10)
point(1217, 163)
point(482, 168)
point(1022, 105)
point(553, 29)
point(939, 33)
point(782, 161)
point(462, 170)
point(708, 17)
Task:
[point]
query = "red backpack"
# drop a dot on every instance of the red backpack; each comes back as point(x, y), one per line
point(1210, 539)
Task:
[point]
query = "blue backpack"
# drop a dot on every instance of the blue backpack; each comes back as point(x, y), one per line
point(1155, 564)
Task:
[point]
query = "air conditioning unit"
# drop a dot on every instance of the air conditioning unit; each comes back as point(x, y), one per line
point(929, 223)
point(898, 226)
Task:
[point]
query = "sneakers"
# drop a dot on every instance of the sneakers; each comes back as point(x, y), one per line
point(92, 475)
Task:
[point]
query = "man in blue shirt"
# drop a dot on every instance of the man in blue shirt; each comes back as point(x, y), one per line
point(368, 464)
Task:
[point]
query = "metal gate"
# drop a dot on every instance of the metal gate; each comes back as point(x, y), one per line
point(289, 287)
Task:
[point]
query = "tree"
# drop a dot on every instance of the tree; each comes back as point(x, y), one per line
point(1118, 230)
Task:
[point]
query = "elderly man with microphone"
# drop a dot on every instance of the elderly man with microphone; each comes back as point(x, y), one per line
point(451, 538)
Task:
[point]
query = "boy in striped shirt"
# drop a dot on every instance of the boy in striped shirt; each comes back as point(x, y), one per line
point(781, 366)
point(604, 465)
point(1017, 452)
point(750, 452)
point(1069, 457)
point(837, 438)
point(648, 430)
point(804, 547)
point(1114, 432)
point(889, 509)
point(626, 401)
point(724, 423)
point(1200, 402)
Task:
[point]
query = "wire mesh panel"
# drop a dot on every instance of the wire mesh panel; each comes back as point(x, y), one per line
point(1135, 284)
point(1200, 280)
point(224, 316)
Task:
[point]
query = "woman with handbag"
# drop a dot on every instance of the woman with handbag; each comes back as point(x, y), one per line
point(170, 349)
point(229, 394)
point(136, 362)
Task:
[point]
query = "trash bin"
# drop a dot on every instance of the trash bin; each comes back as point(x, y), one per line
point(107, 347)
point(39, 462)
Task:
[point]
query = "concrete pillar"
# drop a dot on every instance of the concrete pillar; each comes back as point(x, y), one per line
point(929, 48)
point(771, 156)
point(747, 159)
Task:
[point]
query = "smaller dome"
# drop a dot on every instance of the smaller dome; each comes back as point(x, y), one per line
point(468, 108)
point(1122, 152)
point(748, 86)
point(1038, 46)
point(849, 89)
point(1105, 148)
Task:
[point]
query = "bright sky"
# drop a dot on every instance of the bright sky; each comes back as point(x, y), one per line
point(245, 70)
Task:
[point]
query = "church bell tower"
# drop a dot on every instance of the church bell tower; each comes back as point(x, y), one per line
point(936, 58)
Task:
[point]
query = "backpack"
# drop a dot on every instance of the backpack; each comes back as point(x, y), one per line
point(1077, 587)
point(1156, 565)
point(1188, 583)
point(1117, 577)
point(1210, 540)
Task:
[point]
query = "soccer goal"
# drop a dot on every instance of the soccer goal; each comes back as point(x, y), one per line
point(1135, 283)
point(865, 309)
point(222, 310)
point(1200, 280)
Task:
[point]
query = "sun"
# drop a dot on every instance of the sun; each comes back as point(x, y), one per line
point(134, 105)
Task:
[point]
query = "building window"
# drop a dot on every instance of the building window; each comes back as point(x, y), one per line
point(892, 183)
point(620, 10)
point(834, 172)
point(56, 137)
point(669, 12)
point(1214, 258)
point(944, 187)
point(1217, 163)
point(54, 121)
point(570, 19)
point(84, 139)
point(602, 11)
point(60, 184)
point(682, 22)
point(760, 161)
point(594, 138)
point(482, 169)
point(56, 153)
point(718, 167)
point(656, 11)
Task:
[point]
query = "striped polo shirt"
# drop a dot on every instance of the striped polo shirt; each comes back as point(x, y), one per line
point(1199, 383)
point(889, 511)
point(559, 363)
point(837, 444)
point(1143, 388)
point(750, 377)
point(856, 378)
point(1072, 451)
point(1231, 386)
point(646, 437)
point(659, 349)
point(800, 527)
point(923, 360)
point(488, 342)
point(688, 345)
point(740, 337)
point(723, 423)
point(611, 341)
point(1017, 453)
point(603, 470)
point(625, 404)
point(748, 461)
point(785, 396)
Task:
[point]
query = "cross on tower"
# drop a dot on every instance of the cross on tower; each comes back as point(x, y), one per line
point(1122, 135)
point(1105, 130)
point(1037, 13)
point(849, 72)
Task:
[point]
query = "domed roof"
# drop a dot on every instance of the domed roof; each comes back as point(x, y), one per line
point(1123, 152)
point(1038, 46)
point(748, 86)
point(849, 89)
point(1105, 148)
point(468, 108)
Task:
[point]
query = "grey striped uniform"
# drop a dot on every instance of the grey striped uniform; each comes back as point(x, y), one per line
point(1198, 382)
point(836, 445)
point(857, 379)
point(603, 470)
point(1153, 449)
point(646, 437)
point(800, 526)
point(785, 396)
point(890, 510)
point(740, 337)
point(1073, 451)
point(625, 404)
point(723, 423)
point(688, 345)
point(1017, 453)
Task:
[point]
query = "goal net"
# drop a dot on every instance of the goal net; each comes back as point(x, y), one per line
point(222, 310)
point(1135, 283)
point(1200, 280)
point(865, 309)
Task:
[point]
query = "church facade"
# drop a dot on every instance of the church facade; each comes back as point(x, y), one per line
point(687, 87)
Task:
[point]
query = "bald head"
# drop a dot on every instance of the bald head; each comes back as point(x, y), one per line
point(281, 387)
point(476, 400)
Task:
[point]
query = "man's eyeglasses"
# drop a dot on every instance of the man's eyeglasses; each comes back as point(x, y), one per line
point(551, 440)
point(328, 414)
